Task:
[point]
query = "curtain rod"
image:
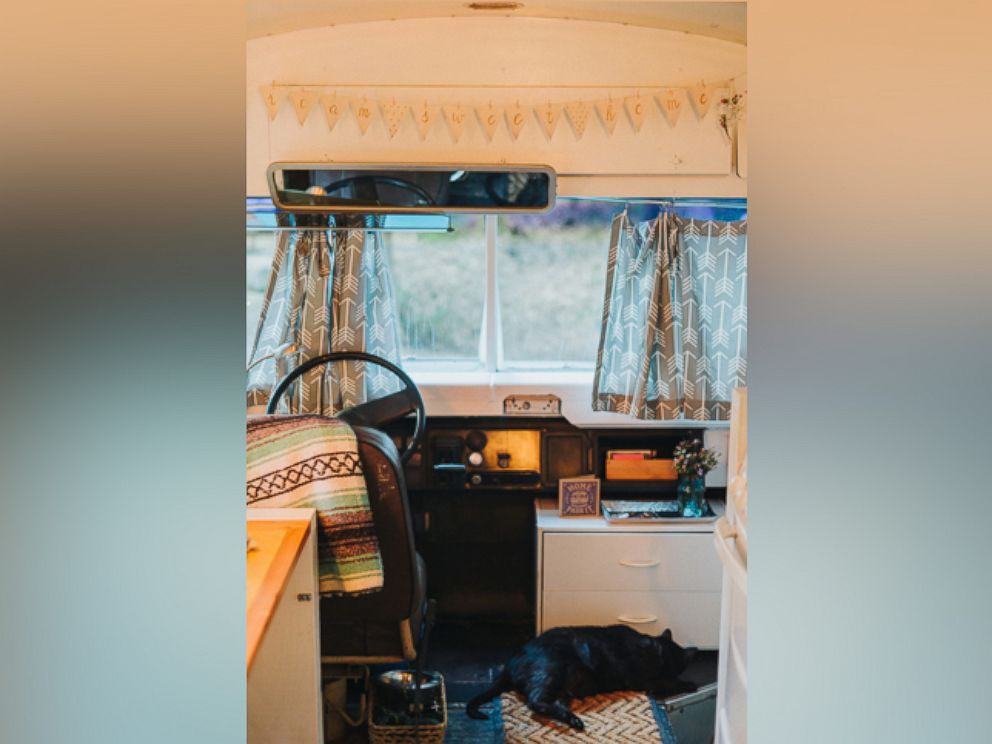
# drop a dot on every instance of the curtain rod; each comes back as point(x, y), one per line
point(684, 201)
point(318, 228)
point(661, 202)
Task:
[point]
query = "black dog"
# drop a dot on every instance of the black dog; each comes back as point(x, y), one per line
point(566, 663)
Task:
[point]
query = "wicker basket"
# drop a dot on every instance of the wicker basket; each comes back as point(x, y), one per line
point(429, 733)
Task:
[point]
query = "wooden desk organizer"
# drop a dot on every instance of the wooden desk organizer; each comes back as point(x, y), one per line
point(649, 469)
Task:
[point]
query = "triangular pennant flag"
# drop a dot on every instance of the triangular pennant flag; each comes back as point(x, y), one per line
point(636, 110)
point(609, 112)
point(578, 116)
point(701, 98)
point(488, 118)
point(332, 109)
point(516, 117)
point(302, 101)
point(425, 116)
point(548, 115)
point(454, 114)
point(362, 110)
point(393, 114)
point(671, 101)
point(272, 96)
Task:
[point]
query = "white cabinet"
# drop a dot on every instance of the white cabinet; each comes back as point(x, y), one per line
point(284, 696)
point(731, 723)
point(730, 540)
point(648, 576)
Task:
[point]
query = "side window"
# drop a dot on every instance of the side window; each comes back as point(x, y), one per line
point(260, 248)
point(552, 276)
point(550, 271)
point(440, 283)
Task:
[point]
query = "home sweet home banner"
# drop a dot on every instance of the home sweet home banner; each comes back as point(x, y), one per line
point(332, 109)
point(362, 110)
point(514, 116)
point(609, 112)
point(425, 115)
point(455, 115)
point(303, 101)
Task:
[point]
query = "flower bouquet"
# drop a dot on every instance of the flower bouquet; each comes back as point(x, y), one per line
point(692, 461)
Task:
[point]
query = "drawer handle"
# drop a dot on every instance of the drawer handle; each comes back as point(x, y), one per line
point(637, 620)
point(639, 564)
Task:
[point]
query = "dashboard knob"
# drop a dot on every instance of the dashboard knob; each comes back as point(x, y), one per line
point(476, 479)
point(475, 459)
point(476, 440)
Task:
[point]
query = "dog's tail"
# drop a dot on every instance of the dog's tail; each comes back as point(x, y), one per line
point(502, 684)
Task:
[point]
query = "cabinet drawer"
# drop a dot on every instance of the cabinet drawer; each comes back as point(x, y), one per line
point(694, 617)
point(632, 561)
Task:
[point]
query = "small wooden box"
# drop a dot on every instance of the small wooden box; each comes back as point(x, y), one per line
point(647, 469)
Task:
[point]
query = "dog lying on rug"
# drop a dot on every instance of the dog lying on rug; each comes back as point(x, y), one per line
point(566, 663)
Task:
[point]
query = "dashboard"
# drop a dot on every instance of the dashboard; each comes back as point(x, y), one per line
point(504, 453)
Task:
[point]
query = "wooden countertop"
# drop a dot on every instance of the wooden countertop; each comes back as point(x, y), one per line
point(278, 544)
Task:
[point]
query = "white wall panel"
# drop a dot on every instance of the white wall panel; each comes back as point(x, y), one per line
point(532, 60)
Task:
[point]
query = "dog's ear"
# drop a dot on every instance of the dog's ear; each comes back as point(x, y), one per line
point(667, 635)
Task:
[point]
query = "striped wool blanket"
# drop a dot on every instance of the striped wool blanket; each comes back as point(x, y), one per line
point(313, 462)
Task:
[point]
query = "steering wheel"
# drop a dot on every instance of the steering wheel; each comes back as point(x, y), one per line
point(374, 413)
point(368, 188)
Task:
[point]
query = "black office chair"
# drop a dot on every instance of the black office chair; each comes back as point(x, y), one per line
point(387, 625)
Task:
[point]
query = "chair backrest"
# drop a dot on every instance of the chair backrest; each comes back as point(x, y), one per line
point(394, 529)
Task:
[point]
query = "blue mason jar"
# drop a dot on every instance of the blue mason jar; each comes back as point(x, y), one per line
point(692, 496)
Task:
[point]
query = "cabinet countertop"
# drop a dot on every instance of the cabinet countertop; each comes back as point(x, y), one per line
point(549, 521)
point(277, 546)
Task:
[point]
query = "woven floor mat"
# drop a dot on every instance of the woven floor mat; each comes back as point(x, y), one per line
point(617, 717)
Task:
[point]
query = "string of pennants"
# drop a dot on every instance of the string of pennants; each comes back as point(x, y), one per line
point(671, 102)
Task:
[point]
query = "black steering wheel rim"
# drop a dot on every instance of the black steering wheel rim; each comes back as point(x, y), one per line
point(376, 180)
point(409, 389)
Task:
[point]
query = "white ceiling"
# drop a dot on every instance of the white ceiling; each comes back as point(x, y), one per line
point(719, 20)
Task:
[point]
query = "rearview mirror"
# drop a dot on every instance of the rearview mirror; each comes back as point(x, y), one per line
point(332, 188)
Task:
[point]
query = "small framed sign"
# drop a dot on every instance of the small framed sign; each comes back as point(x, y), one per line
point(578, 497)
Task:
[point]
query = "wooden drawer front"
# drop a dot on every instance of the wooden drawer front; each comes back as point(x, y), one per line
point(694, 617)
point(631, 561)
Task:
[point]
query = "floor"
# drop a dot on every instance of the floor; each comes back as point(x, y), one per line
point(467, 654)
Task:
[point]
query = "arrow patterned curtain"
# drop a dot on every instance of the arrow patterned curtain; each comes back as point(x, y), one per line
point(674, 335)
point(712, 271)
point(636, 367)
point(328, 291)
point(363, 318)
